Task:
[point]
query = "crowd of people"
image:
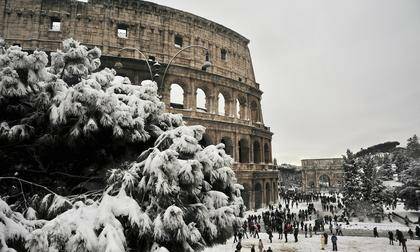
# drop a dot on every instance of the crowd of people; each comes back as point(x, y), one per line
point(280, 222)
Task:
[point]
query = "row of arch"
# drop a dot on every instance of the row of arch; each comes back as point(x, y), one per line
point(261, 153)
point(224, 103)
point(262, 194)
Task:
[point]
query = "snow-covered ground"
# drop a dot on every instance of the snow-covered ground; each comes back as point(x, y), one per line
point(345, 243)
point(358, 236)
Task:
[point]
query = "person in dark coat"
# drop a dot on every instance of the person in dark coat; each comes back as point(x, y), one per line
point(375, 232)
point(285, 230)
point(334, 242)
point(404, 245)
point(325, 238)
point(270, 235)
point(238, 247)
point(400, 236)
point(269, 249)
point(411, 234)
point(253, 248)
point(391, 237)
point(295, 233)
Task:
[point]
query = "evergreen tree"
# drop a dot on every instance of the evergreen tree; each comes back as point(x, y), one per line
point(174, 196)
point(385, 171)
point(413, 147)
point(352, 182)
point(368, 172)
point(411, 178)
point(68, 122)
point(401, 161)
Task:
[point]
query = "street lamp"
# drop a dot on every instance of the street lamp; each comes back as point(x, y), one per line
point(120, 65)
point(206, 64)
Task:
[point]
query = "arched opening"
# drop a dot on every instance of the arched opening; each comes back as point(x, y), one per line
point(257, 152)
point(241, 108)
point(205, 141)
point(267, 158)
point(221, 105)
point(324, 182)
point(228, 145)
point(254, 112)
point(267, 193)
point(201, 100)
point(176, 96)
point(243, 151)
point(258, 195)
point(311, 184)
point(238, 109)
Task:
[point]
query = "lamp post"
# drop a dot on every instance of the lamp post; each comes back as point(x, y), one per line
point(206, 64)
point(119, 64)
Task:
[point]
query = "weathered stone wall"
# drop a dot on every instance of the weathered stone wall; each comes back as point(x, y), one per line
point(317, 171)
point(152, 28)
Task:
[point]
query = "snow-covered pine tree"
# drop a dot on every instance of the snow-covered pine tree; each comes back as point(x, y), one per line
point(176, 196)
point(72, 119)
point(377, 196)
point(386, 171)
point(352, 182)
point(367, 165)
point(411, 178)
point(413, 147)
point(401, 161)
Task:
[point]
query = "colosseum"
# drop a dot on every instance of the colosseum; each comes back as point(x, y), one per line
point(209, 78)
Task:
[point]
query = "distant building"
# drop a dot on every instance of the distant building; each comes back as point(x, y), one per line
point(322, 175)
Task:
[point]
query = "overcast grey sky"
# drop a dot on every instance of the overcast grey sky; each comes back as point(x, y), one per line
point(335, 74)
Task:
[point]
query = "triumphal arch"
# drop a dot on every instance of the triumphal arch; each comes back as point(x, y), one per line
point(322, 175)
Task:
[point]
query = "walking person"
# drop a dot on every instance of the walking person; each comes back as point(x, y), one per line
point(285, 230)
point(310, 230)
point(322, 241)
point(375, 232)
point(295, 233)
point(404, 245)
point(411, 233)
point(400, 236)
point(280, 229)
point(260, 246)
point(253, 248)
point(391, 237)
point(238, 247)
point(325, 238)
point(270, 235)
point(334, 242)
point(306, 230)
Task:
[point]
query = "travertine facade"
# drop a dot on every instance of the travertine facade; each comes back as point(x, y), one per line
point(322, 175)
point(160, 32)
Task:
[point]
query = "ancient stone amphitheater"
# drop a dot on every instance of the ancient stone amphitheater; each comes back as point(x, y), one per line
point(224, 97)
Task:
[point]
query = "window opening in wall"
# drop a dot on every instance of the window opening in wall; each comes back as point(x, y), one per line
point(223, 54)
point(238, 109)
point(122, 31)
point(201, 100)
point(55, 24)
point(178, 41)
point(176, 96)
point(221, 105)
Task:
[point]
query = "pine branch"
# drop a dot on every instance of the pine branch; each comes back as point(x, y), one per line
point(30, 183)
